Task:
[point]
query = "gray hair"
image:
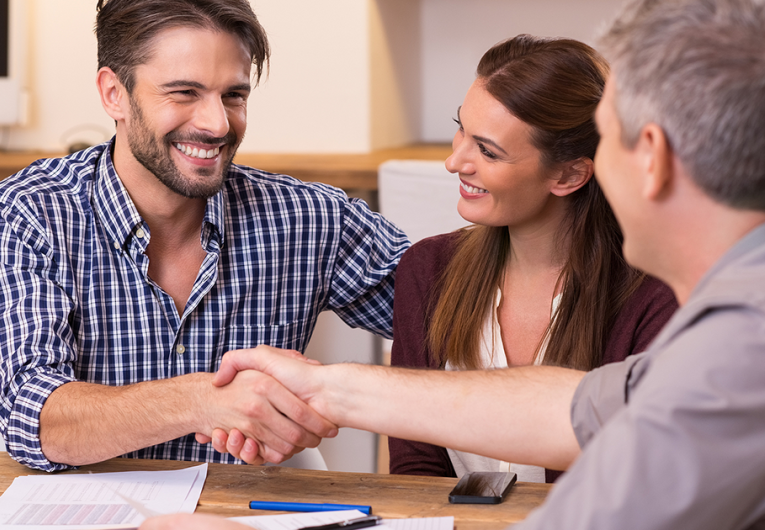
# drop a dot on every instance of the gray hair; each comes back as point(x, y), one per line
point(696, 68)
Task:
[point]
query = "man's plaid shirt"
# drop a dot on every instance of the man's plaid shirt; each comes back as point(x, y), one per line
point(76, 301)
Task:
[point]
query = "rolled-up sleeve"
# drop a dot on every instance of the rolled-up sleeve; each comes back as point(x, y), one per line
point(37, 344)
point(600, 395)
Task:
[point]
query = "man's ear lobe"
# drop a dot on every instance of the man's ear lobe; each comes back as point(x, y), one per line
point(573, 176)
point(113, 94)
point(656, 158)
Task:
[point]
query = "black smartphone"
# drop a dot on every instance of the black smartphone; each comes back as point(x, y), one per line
point(483, 487)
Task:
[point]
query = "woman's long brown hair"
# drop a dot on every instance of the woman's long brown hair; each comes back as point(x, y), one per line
point(553, 85)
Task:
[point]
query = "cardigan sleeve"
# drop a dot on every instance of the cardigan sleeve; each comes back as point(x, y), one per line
point(640, 320)
point(416, 278)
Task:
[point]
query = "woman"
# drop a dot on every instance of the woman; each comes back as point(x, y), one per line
point(540, 277)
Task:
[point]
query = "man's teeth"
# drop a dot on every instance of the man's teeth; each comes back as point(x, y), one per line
point(471, 189)
point(197, 153)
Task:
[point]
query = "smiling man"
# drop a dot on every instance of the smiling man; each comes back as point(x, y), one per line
point(130, 268)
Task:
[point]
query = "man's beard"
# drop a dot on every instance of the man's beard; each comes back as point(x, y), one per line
point(154, 154)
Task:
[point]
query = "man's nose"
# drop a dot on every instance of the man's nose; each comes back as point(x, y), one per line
point(212, 118)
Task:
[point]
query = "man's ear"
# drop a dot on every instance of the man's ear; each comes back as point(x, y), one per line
point(573, 175)
point(113, 94)
point(656, 158)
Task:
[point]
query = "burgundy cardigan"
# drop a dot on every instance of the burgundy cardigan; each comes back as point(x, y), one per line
point(638, 322)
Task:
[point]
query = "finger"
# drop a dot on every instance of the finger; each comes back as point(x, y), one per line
point(279, 432)
point(303, 415)
point(202, 438)
point(251, 452)
point(289, 419)
point(252, 359)
point(275, 457)
point(219, 440)
point(235, 443)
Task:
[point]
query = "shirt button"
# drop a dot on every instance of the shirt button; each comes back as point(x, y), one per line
point(140, 233)
point(180, 349)
point(116, 245)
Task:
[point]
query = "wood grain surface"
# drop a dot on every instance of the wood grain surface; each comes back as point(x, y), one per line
point(229, 488)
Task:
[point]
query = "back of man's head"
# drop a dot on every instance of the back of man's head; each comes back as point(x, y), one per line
point(696, 68)
point(125, 29)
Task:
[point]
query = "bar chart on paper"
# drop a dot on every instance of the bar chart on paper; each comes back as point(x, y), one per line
point(104, 500)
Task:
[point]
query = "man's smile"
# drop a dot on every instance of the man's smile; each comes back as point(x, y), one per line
point(195, 152)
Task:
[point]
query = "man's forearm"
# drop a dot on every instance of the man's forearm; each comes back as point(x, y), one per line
point(519, 415)
point(83, 423)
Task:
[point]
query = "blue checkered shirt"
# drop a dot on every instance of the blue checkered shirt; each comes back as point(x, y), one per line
point(78, 305)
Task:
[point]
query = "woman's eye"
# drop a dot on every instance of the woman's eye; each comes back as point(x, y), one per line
point(458, 122)
point(485, 152)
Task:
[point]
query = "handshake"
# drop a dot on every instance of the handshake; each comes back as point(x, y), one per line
point(267, 404)
point(276, 405)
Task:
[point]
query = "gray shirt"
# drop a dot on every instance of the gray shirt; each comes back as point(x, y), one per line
point(674, 438)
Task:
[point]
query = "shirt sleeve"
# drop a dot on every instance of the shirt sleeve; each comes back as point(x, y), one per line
point(38, 343)
point(363, 276)
point(686, 451)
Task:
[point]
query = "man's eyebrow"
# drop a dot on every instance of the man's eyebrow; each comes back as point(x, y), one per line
point(243, 87)
point(181, 83)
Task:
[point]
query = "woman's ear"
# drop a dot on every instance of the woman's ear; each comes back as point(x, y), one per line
point(112, 92)
point(573, 175)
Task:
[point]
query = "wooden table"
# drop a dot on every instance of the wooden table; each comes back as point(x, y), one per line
point(347, 171)
point(229, 488)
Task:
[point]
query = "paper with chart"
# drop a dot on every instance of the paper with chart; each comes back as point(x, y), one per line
point(99, 501)
point(293, 521)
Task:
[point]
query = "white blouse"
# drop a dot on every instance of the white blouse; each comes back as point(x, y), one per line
point(492, 354)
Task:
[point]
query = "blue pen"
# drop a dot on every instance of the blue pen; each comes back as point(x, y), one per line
point(306, 507)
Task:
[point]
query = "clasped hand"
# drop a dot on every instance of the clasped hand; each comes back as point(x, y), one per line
point(265, 415)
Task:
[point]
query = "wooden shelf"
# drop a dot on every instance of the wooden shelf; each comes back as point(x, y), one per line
point(347, 171)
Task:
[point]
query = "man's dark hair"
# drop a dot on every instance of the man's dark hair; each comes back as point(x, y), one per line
point(125, 29)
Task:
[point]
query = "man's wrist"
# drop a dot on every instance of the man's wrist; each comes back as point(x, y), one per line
point(336, 388)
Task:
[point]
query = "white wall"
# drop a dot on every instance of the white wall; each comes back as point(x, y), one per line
point(346, 75)
point(316, 99)
point(60, 74)
point(456, 33)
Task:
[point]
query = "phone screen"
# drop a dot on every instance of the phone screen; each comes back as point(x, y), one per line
point(482, 488)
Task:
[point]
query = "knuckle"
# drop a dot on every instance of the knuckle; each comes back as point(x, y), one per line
point(256, 408)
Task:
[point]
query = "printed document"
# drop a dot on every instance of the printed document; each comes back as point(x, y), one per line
point(100, 500)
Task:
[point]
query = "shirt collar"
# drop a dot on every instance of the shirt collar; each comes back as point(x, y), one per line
point(753, 240)
point(113, 203)
point(120, 216)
